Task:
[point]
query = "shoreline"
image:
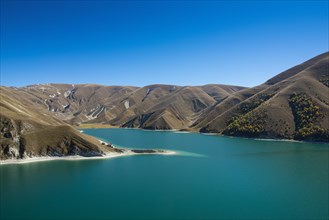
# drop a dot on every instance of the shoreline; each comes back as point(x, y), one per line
point(77, 157)
point(177, 131)
point(93, 126)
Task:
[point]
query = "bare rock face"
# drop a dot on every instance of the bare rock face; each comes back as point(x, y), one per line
point(12, 144)
point(19, 140)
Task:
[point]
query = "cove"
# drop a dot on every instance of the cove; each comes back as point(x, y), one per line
point(210, 177)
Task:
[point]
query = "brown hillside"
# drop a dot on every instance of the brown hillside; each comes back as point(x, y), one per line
point(293, 104)
point(26, 130)
point(268, 112)
point(177, 107)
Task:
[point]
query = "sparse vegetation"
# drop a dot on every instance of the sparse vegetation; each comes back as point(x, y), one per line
point(325, 80)
point(246, 122)
point(253, 104)
point(306, 114)
point(321, 99)
point(304, 109)
point(248, 125)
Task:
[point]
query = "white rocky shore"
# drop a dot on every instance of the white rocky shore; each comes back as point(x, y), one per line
point(77, 157)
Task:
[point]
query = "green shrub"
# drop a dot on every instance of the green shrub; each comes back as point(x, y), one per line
point(306, 115)
point(248, 125)
point(254, 103)
point(246, 122)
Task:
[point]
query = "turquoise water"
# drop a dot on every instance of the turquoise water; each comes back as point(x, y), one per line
point(212, 177)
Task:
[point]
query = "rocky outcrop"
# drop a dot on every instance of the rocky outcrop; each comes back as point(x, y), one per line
point(12, 143)
point(27, 131)
point(19, 140)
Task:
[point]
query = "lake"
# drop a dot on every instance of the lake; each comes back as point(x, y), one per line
point(211, 177)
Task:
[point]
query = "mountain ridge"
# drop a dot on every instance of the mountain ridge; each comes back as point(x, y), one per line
point(293, 104)
point(307, 80)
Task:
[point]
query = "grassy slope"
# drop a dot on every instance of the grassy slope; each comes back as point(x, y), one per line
point(262, 111)
point(153, 106)
point(29, 131)
point(273, 117)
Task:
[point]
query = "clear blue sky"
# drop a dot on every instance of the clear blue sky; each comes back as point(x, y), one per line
point(168, 42)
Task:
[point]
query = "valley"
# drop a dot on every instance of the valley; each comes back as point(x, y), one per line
point(39, 120)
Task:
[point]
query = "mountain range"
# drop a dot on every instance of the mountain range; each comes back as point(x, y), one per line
point(38, 120)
